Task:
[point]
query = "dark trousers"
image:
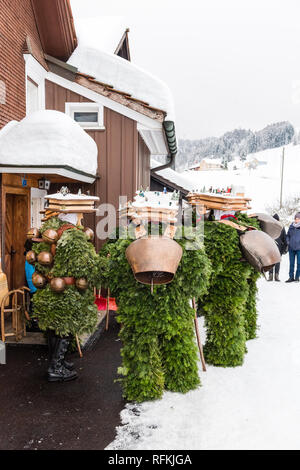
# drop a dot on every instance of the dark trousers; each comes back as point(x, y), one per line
point(293, 255)
point(275, 268)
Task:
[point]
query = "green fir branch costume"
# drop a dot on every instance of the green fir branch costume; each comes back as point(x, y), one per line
point(159, 350)
point(71, 312)
point(229, 307)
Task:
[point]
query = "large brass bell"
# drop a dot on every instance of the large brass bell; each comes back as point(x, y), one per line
point(33, 233)
point(57, 285)
point(260, 250)
point(81, 284)
point(50, 236)
point(269, 225)
point(31, 257)
point(38, 280)
point(154, 260)
point(45, 258)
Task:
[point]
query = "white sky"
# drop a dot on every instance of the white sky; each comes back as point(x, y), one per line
point(228, 63)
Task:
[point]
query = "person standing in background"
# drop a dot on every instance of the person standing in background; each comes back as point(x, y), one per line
point(293, 239)
point(282, 244)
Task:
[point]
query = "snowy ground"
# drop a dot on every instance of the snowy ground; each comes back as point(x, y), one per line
point(255, 406)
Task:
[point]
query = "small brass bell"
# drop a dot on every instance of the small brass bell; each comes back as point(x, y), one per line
point(89, 234)
point(57, 285)
point(38, 280)
point(45, 258)
point(81, 284)
point(31, 257)
point(33, 233)
point(50, 236)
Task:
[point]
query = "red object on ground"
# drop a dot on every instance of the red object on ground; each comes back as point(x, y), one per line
point(101, 303)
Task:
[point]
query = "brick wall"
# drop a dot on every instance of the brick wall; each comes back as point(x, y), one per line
point(16, 22)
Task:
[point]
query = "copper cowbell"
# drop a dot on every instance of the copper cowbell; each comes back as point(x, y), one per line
point(154, 260)
point(260, 250)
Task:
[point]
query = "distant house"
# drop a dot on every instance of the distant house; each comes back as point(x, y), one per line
point(120, 114)
point(208, 164)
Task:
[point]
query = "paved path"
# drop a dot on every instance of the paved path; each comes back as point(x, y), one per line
point(82, 414)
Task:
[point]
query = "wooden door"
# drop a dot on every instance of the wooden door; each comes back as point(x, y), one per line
point(16, 225)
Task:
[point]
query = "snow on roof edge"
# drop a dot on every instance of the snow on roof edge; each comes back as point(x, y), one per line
point(124, 76)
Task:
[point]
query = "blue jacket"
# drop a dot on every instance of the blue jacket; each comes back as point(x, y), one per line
point(293, 238)
point(29, 270)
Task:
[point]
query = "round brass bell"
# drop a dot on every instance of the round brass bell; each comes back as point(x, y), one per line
point(81, 284)
point(30, 257)
point(260, 250)
point(33, 233)
point(45, 258)
point(57, 284)
point(50, 236)
point(38, 280)
point(154, 260)
point(89, 234)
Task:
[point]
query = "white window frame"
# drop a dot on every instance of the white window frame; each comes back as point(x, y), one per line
point(71, 108)
point(36, 73)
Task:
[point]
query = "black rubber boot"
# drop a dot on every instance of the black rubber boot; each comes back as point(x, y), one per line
point(290, 280)
point(52, 338)
point(57, 372)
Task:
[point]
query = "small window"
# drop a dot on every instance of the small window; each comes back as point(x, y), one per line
point(88, 115)
point(85, 117)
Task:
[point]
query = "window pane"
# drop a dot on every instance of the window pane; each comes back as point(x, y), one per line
point(85, 117)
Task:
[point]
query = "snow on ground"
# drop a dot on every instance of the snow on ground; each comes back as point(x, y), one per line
point(255, 406)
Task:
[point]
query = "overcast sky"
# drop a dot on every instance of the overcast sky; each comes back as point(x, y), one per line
point(228, 63)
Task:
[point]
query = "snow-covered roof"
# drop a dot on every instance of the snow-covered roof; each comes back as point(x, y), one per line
point(124, 76)
point(48, 139)
point(213, 161)
point(173, 176)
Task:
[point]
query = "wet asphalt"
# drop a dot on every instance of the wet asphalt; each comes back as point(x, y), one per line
point(77, 415)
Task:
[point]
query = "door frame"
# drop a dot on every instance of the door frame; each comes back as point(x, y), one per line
point(18, 191)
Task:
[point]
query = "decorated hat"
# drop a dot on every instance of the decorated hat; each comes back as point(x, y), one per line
point(65, 202)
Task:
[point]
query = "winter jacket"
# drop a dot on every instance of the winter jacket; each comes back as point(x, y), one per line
point(293, 238)
point(29, 270)
point(282, 242)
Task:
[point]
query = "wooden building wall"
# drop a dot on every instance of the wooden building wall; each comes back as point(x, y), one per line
point(123, 158)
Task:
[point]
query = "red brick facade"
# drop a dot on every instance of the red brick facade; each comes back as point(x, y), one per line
point(16, 23)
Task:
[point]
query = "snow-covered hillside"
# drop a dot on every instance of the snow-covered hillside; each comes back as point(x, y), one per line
point(261, 184)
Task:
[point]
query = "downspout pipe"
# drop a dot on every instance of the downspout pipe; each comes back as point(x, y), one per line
point(169, 128)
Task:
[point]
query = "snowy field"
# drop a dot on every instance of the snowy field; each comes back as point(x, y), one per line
point(261, 184)
point(255, 406)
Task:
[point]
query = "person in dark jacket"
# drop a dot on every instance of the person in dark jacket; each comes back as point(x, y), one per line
point(282, 244)
point(293, 239)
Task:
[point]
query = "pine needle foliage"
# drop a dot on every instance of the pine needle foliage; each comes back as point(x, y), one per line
point(230, 305)
point(159, 350)
point(70, 312)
